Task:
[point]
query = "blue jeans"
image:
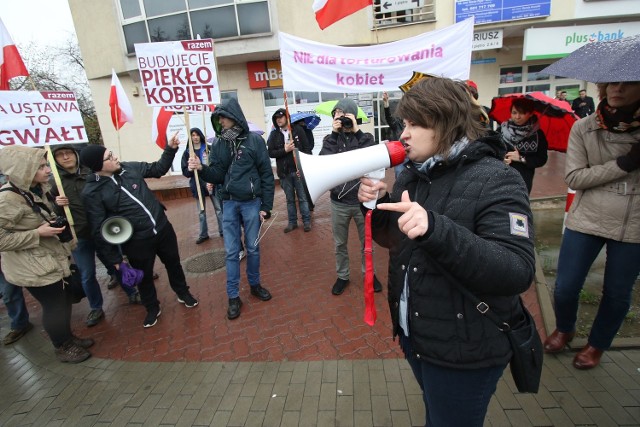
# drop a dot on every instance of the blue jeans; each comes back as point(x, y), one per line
point(292, 186)
point(453, 397)
point(14, 301)
point(235, 213)
point(202, 214)
point(85, 257)
point(577, 253)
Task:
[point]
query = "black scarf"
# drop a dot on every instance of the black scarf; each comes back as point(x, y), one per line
point(516, 136)
point(231, 134)
point(617, 120)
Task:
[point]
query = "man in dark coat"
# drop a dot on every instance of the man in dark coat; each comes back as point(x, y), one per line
point(583, 105)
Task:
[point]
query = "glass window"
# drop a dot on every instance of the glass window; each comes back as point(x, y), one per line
point(169, 28)
point(254, 18)
point(511, 75)
point(130, 8)
point(332, 96)
point(226, 95)
point(274, 97)
point(221, 22)
point(539, 88)
point(306, 97)
point(135, 33)
point(507, 90)
point(533, 72)
point(195, 4)
point(155, 7)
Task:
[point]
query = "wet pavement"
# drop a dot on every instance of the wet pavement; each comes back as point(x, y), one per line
point(304, 358)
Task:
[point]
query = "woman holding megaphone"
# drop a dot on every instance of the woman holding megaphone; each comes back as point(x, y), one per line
point(456, 218)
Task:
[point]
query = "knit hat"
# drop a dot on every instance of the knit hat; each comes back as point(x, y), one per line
point(472, 84)
point(92, 156)
point(347, 105)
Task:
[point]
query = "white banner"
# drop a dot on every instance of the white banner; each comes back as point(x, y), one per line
point(308, 65)
point(178, 73)
point(33, 119)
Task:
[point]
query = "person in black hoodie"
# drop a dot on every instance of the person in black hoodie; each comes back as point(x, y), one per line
point(457, 217)
point(346, 136)
point(119, 189)
point(281, 145)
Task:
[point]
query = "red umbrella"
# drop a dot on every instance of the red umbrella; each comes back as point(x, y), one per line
point(556, 117)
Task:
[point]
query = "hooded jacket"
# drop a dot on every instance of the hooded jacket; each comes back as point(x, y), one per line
point(243, 166)
point(480, 233)
point(185, 166)
point(127, 194)
point(27, 259)
point(607, 200)
point(340, 142)
point(285, 163)
point(72, 183)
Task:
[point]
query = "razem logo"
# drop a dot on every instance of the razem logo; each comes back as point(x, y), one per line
point(263, 74)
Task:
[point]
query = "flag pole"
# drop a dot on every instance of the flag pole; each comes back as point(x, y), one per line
point(192, 153)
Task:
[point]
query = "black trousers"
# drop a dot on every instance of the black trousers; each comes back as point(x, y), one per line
point(56, 311)
point(142, 255)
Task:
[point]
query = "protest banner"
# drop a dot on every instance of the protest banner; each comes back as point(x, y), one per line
point(309, 65)
point(34, 119)
point(178, 72)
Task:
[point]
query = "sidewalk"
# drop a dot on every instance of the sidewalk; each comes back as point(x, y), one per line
point(304, 358)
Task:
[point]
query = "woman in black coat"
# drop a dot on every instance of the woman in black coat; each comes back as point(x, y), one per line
point(458, 216)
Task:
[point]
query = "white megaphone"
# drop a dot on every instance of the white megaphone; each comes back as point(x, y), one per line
point(116, 230)
point(322, 173)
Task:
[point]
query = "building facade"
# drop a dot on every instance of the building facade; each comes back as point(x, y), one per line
point(513, 41)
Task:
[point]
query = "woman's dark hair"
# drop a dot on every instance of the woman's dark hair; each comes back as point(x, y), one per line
point(523, 105)
point(444, 105)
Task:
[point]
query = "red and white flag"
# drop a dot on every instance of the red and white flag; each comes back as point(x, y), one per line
point(330, 11)
point(121, 111)
point(11, 64)
point(159, 125)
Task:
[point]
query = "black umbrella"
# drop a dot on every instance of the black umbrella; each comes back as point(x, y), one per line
point(601, 62)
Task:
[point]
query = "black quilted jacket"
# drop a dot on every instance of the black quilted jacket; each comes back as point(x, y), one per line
point(474, 205)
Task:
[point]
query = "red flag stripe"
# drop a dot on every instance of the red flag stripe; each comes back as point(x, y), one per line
point(11, 64)
point(331, 11)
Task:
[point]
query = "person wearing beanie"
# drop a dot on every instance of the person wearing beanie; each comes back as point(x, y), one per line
point(73, 178)
point(119, 189)
point(281, 144)
point(345, 206)
point(239, 161)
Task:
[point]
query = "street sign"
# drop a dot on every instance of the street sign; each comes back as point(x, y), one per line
point(387, 6)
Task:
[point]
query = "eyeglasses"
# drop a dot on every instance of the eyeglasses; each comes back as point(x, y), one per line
point(64, 153)
point(109, 157)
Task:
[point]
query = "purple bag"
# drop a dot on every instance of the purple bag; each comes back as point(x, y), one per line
point(130, 276)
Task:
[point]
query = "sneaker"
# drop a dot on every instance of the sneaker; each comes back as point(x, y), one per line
point(94, 317)
point(152, 317)
point(14, 335)
point(82, 342)
point(188, 300)
point(307, 228)
point(290, 228)
point(260, 292)
point(134, 298)
point(377, 286)
point(339, 286)
point(241, 255)
point(202, 239)
point(234, 308)
point(113, 282)
point(70, 352)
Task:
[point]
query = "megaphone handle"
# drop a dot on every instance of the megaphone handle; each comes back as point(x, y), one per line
point(374, 176)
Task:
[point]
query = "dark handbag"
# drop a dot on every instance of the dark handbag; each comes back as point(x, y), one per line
point(526, 345)
point(72, 285)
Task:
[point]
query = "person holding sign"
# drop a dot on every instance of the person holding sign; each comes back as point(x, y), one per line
point(119, 189)
point(457, 218)
point(200, 150)
point(241, 162)
point(34, 255)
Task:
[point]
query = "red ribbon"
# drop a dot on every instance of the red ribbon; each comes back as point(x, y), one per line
point(369, 303)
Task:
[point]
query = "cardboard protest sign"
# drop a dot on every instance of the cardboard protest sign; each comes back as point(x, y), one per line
point(308, 65)
point(178, 73)
point(36, 118)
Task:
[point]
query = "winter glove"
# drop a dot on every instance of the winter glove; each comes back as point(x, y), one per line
point(630, 161)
